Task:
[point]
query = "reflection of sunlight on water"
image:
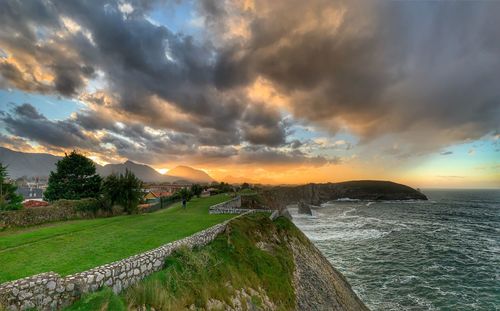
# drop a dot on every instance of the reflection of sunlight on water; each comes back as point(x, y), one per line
point(412, 255)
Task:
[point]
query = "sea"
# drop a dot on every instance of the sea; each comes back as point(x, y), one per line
point(441, 254)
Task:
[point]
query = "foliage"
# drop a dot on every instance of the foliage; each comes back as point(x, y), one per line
point(131, 191)
point(247, 191)
point(194, 277)
point(9, 199)
point(102, 300)
point(221, 187)
point(83, 205)
point(73, 246)
point(111, 188)
point(75, 178)
point(125, 190)
point(185, 193)
point(90, 205)
point(196, 189)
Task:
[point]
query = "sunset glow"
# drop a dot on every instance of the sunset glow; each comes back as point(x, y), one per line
point(329, 91)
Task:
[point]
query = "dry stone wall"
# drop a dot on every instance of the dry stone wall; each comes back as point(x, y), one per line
point(233, 207)
point(234, 203)
point(50, 291)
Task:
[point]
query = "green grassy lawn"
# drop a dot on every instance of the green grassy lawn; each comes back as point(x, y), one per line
point(74, 246)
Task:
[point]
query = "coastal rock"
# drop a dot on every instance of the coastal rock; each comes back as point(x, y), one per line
point(304, 208)
point(285, 213)
point(315, 194)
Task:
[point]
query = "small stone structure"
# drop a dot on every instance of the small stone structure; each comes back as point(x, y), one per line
point(49, 291)
point(233, 206)
point(226, 207)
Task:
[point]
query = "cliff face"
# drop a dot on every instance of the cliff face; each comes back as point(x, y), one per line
point(318, 285)
point(315, 194)
point(256, 264)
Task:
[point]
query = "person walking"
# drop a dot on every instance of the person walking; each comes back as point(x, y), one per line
point(184, 202)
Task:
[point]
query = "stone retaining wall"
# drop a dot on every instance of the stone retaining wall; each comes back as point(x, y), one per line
point(234, 203)
point(233, 207)
point(238, 210)
point(49, 291)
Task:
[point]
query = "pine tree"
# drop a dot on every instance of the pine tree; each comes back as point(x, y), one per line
point(9, 199)
point(75, 178)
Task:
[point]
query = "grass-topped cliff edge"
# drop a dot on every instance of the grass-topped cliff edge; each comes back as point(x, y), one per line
point(256, 264)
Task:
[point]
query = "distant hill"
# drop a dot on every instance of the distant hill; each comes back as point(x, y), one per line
point(143, 172)
point(191, 174)
point(27, 164)
point(41, 164)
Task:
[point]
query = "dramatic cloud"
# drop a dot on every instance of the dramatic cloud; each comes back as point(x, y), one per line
point(29, 123)
point(407, 77)
point(406, 67)
point(151, 71)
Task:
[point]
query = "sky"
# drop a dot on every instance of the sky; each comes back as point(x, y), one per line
point(278, 92)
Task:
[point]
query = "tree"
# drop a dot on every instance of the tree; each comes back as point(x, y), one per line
point(75, 178)
point(112, 188)
point(131, 191)
point(224, 187)
point(9, 199)
point(196, 189)
point(185, 193)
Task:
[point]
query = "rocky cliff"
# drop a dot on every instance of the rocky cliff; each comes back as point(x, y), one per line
point(315, 194)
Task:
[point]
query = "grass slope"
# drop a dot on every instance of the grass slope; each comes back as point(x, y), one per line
point(233, 261)
point(74, 246)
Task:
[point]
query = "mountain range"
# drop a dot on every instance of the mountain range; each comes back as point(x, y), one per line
point(21, 164)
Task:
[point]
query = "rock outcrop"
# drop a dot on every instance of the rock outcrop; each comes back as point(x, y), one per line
point(304, 208)
point(315, 194)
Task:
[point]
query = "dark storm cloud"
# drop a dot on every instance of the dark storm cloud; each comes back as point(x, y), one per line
point(263, 125)
point(28, 111)
point(25, 121)
point(386, 67)
point(148, 68)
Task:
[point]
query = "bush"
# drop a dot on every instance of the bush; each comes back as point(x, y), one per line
point(88, 205)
